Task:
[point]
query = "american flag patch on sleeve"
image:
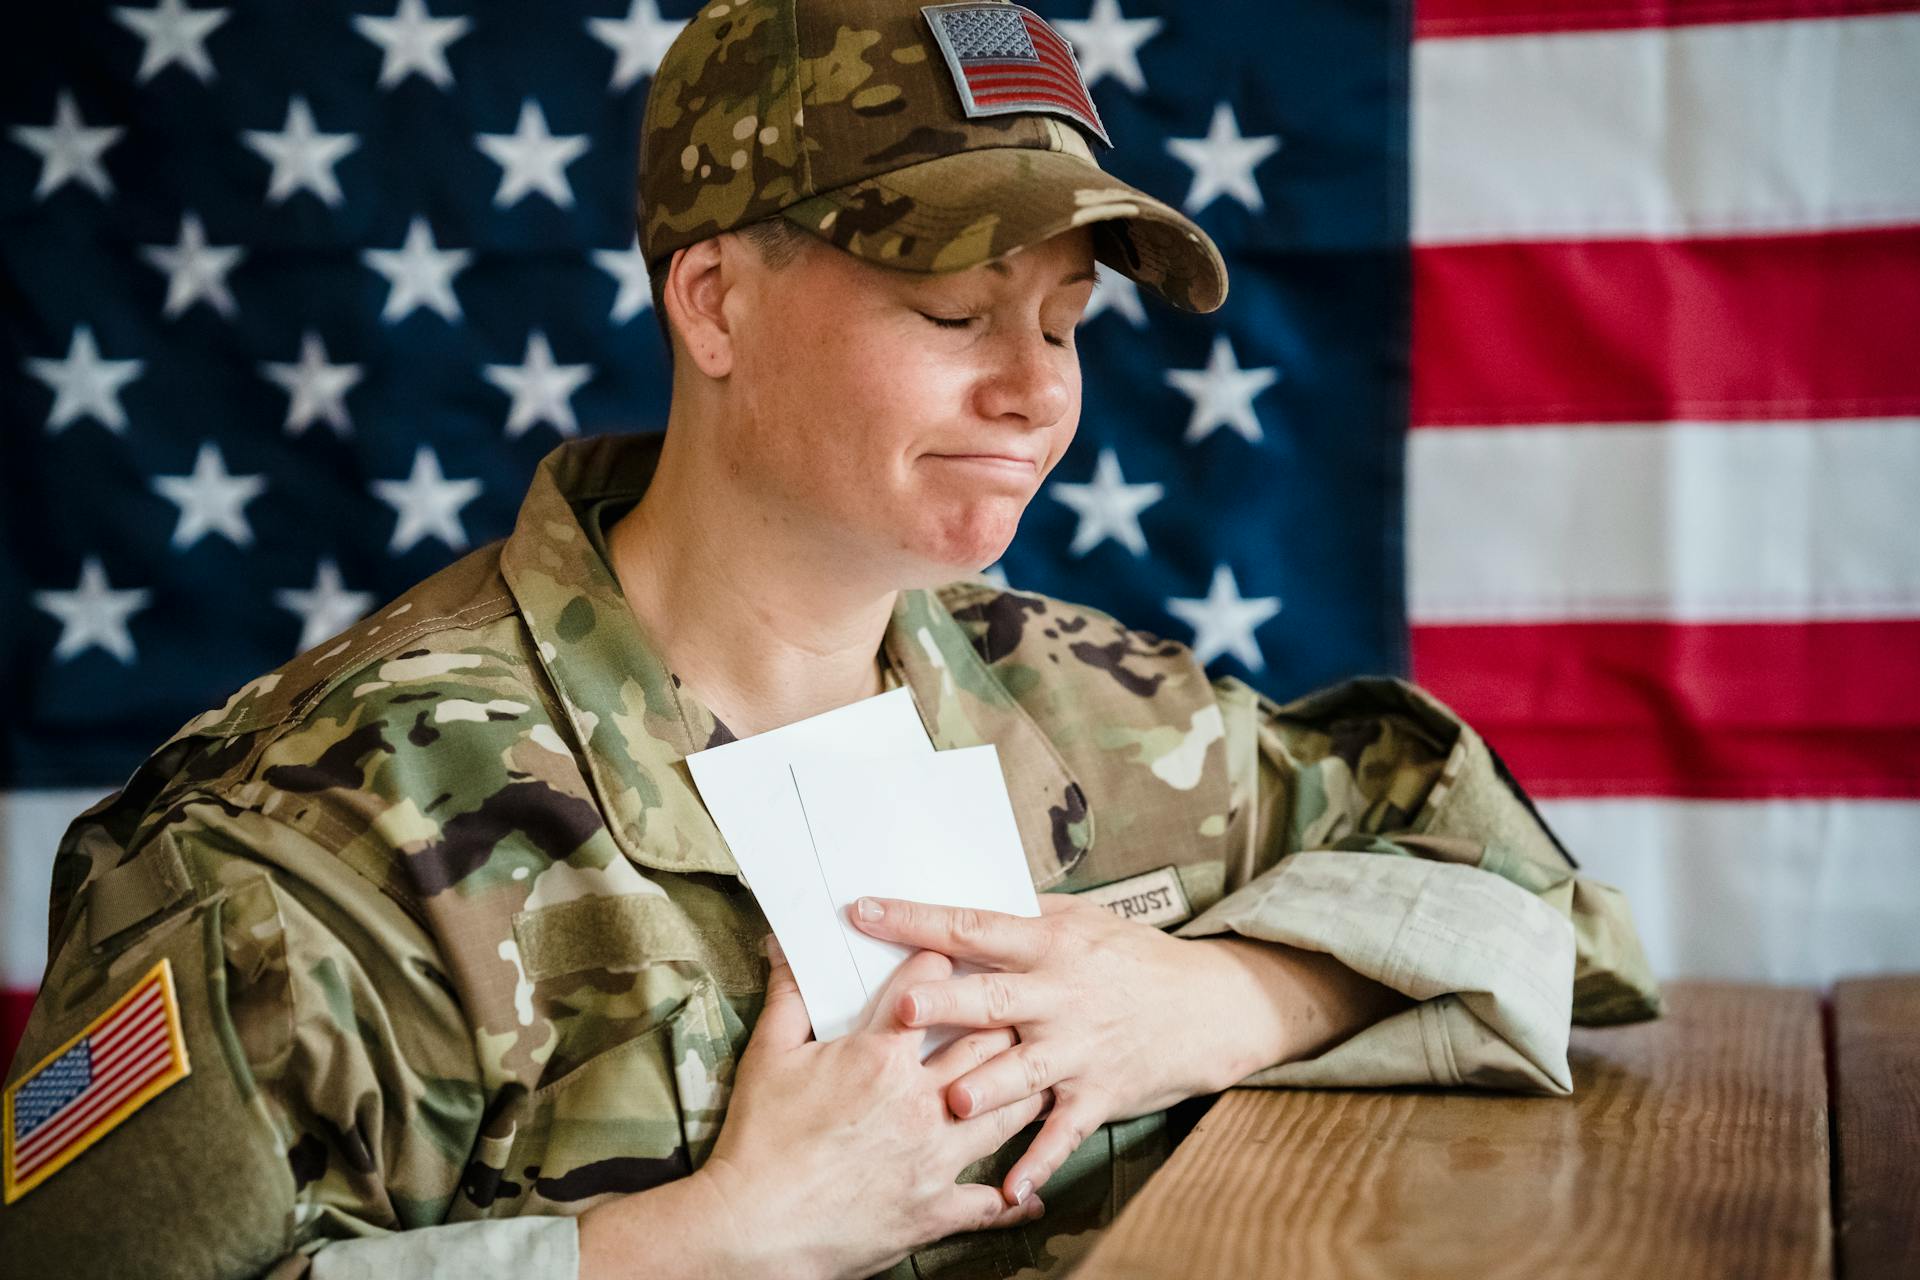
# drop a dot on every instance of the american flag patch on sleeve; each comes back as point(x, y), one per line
point(1005, 58)
point(77, 1094)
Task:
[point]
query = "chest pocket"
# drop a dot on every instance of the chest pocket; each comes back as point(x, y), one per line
point(644, 1047)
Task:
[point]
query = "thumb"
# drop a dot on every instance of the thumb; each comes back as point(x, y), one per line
point(783, 1018)
point(921, 966)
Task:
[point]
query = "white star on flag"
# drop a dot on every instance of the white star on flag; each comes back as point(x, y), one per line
point(302, 156)
point(173, 33)
point(69, 149)
point(413, 41)
point(428, 504)
point(194, 269)
point(638, 40)
point(84, 384)
point(532, 159)
point(1106, 40)
point(327, 608)
point(1223, 622)
point(210, 500)
point(1222, 393)
point(316, 388)
point(1115, 292)
point(542, 390)
point(1109, 507)
point(93, 614)
point(628, 267)
point(419, 274)
point(1223, 162)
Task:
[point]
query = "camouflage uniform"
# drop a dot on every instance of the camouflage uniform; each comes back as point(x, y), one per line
point(460, 953)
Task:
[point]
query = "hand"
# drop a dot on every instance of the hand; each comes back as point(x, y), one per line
point(1115, 1018)
point(839, 1159)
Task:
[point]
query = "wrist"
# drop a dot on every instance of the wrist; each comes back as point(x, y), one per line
point(1250, 998)
point(1292, 1003)
point(685, 1228)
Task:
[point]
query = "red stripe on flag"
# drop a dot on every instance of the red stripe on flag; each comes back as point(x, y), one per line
point(15, 1004)
point(1444, 18)
point(137, 1012)
point(1002, 75)
point(1720, 711)
point(1028, 95)
point(1760, 327)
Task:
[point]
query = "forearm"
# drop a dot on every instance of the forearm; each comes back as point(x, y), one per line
point(1278, 1003)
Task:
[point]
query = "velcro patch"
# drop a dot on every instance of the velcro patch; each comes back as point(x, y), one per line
point(78, 1093)
point(1153, 897)
point(1006, 59)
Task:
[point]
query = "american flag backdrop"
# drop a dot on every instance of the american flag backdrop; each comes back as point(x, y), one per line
point(1571, 365)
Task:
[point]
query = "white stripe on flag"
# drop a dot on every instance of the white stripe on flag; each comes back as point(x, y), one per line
point(31, 824)
point(1686, 522)
point(1700, 130)
point(1787, 891)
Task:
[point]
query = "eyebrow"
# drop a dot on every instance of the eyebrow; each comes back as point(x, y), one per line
point(1002, 269)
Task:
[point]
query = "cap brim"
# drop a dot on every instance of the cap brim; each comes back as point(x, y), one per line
point(960, 210)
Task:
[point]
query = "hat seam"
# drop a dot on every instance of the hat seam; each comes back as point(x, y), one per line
point(801, 87)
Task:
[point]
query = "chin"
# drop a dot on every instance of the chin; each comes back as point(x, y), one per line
point(964, 548)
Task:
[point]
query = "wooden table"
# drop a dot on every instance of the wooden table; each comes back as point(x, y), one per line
point(1695, 1145)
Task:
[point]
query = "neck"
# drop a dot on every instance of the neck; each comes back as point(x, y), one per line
point(753, 620)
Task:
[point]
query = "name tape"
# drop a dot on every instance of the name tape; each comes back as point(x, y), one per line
point(1153, 897)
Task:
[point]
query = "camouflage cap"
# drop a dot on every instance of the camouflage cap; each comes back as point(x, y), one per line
point(922, 137)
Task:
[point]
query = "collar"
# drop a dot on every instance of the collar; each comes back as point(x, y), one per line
point(636, 722)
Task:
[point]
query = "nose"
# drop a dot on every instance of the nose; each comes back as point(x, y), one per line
point(1028, 378)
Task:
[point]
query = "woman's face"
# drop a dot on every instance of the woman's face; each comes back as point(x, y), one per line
point(900, 419)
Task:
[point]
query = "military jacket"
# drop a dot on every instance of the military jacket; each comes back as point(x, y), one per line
point(459, 953)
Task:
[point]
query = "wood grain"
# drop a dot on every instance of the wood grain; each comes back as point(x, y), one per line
point(1876, 1041)
point(1693, 1146)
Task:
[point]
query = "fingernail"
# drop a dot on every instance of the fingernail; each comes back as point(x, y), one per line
point(913, 1008)
point(870, 910)
point(1021, 1192)
point(967, 1101)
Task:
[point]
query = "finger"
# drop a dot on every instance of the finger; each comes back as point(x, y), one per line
point(974, 1207)
point(921, 966)
point(1019, 1073)
point(977, 1000)
point(989, 1131)
point(965, 933)
point(1067, 1126)
point(968, 1052)
point(783, 1018)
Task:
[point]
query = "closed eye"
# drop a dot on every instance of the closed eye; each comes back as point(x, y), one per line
point(963, 321)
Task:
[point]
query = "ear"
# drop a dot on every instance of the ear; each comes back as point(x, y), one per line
point(698, 279)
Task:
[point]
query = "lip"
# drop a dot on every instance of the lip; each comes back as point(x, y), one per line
point(1004, 461)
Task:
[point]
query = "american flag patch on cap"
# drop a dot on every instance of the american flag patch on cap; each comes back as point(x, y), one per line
point(78, 1093)
point(1005, 59)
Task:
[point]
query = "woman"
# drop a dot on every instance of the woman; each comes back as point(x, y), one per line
point(458, 977)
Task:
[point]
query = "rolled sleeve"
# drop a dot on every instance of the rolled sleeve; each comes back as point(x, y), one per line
point(1490, 964)
point(1371, 823)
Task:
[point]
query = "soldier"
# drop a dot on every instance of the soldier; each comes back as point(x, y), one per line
point(421, 956)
